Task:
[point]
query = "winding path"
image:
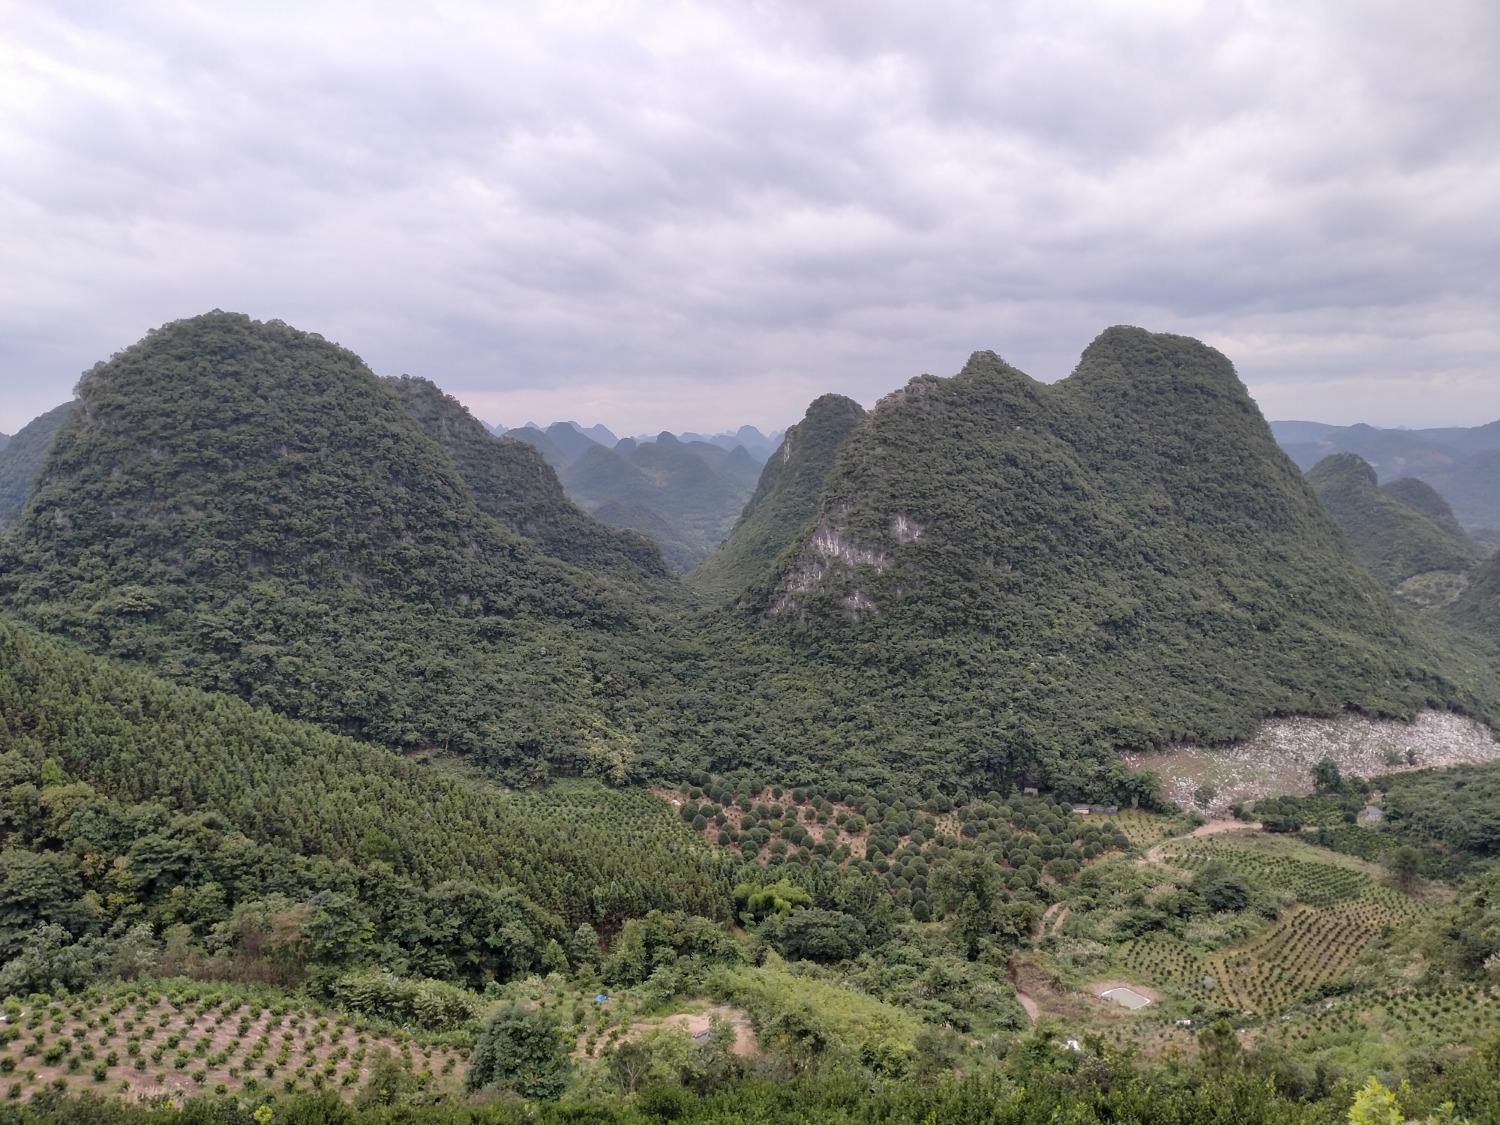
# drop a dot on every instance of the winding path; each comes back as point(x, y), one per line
point(1212, 828)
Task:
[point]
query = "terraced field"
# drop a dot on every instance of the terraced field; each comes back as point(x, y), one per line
point(1142, 829)
point(1340, 910)
point(1448, 1014)
point(1305, 948)
point(1316, 884)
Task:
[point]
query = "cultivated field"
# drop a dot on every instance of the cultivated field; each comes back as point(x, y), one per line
point(178, 1044)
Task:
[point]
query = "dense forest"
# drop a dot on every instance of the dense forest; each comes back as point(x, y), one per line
point(987, 581)
point(249, 510)
point(1027, 576)
point(21, 460)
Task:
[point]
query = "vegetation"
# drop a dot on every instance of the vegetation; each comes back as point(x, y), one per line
point(1462, 464)
point(283, 851)
point(21, 460)
point(858, 890)
point(684, 494)
point(1393, 540)
point(178, 1038)
point(510, 481)
point(1440, 824)
point(247, 509)
point(1478, 609)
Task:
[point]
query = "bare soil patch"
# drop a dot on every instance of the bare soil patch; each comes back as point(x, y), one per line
point(695, 1023)
point(1033, 1013)
point(698, 1023)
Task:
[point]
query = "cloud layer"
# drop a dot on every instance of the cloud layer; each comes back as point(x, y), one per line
point(689, 215)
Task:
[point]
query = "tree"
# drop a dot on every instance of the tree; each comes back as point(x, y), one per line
point(1219, 1047)
point(1221, 889)
point(1204, 795)
point(969, 887)
point(1406, 865)
point(757, 903)
point(819, 935)
point(1326, 776)
point(519, 1050)
point(391, 1081)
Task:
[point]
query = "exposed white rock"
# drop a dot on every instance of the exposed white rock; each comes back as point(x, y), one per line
point(905, 529)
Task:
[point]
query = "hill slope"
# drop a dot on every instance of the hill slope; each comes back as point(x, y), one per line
point(512, 482)
point(168, 805)
point(249, 509)
point(1421, 497)
point(1006, 580)
point(21, 460)
point(785, 499)
point(1393, 540)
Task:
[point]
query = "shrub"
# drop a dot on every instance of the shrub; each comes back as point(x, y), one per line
point(519, 1050)
point(431, 1004)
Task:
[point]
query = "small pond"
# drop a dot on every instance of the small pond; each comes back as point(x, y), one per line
point(1126, 997)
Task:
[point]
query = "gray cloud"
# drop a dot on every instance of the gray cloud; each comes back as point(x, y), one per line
point(691, 215)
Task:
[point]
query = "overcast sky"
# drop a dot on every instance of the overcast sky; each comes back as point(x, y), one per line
point(689, 216)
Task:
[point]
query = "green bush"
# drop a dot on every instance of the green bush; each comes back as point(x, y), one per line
point(519, 1050)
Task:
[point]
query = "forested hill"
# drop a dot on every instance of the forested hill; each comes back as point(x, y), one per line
point(1393, 539)
point(21, 460)
point(1010, 579)
point(248, 509)
point(511, 481)
point(785, 500)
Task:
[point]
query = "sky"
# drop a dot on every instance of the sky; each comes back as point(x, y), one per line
point(677, 216)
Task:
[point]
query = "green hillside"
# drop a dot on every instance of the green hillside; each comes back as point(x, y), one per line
point(1394, 540)
point(1421, 497)
point(1006, 580)
point(248, 509)
point(785, 499)
point(1478, 608)
point(513, 483)
point(165, 805)
point(21, 460)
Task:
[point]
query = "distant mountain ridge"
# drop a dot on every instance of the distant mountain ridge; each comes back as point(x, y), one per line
point(684, 492)
point(1461, 463)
